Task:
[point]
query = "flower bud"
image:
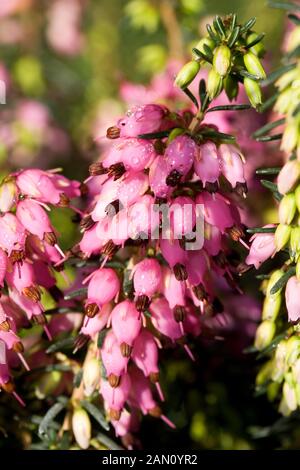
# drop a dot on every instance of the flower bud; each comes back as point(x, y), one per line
point(82, 429)
point(296, 370)
point(282, 236)
point(271, 307)
point(265, 373)
point(287, 79)
point(275, 276)
point(292, 350)
point(287, 208)
point(288, 177)
point(91, 376)
point(284, 101)
point(289, 395)
point(253, 91)
point(222, 60)
point(231, 86)
point(175, 133)
point(208, 42)
point(8, 194)
point(273, 389)
point(295, 243)
point(264, 334)
point(297, 197)
point(253, 65)
point(290, 136)
point(214, 84)
point(279, 368)
point(298, 270)
point(187, 74)
point(292, 292)
point(258, 49)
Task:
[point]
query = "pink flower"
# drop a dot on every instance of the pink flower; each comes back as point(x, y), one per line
point(115, 398)
point(180, 155)
point(163, 319)
point(159, 171)
point(216, 211)
point(232, 164)
point(207, 164)
point(147, 277)
point(142, 120)
point(34, 218)
point(145, 354)
point(12, 233)
point(132, 187)
point(182, 216)
point(114, 362)
point(126, 324)
point(104, 285)
point(135, 154)
point(262, 248)
point(292, 292)
point(37, 184)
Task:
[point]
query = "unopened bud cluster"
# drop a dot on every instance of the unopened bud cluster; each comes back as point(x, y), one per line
point(234, 53)
point(280, 375)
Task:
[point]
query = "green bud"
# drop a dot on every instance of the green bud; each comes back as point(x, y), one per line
point(175, 133)
point(187, 74)
point(284, 101)
point(264, 334)
point(271, 307)
point(231, 87)
point(290, 136)
point(91, 376)
point(82, 429)
point(279, 361)
point(284, 408)
point(287, 208)
point(8, 194)
point(265, 373)
point(253, 91)
point(297, 391)
point(292, 350)
point(296, 371)
point(208, 42)
point(298, 269)
point(287, 79)
point(289, 395)
point(295, 243)
point(272, 390)
point(258, 49)
point(253, 65)
point(214, 84)
point(282, 236)
point(297, 197)
point(222, 60)
point(275, 276)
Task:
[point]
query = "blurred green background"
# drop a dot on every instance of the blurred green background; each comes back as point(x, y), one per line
point(120, 40)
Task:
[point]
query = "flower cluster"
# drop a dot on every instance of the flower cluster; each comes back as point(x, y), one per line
point(29, 252)
point(281, 288)
point(153, 284)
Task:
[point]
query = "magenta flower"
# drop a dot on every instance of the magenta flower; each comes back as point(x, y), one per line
point(142, 120)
